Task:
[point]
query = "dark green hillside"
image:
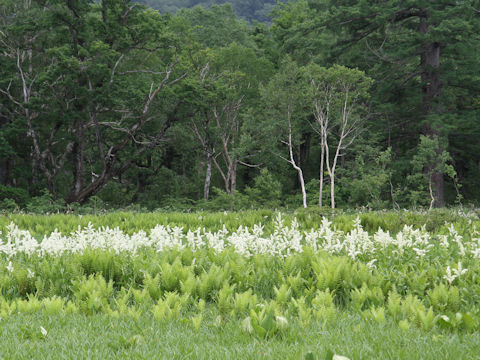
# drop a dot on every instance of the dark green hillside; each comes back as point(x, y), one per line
point(248, 9)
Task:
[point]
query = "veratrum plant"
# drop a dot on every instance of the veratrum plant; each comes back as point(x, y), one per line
point(263, 322)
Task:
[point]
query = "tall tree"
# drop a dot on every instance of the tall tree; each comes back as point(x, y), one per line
point(417, 43)
point(89, 90)
point(412, 49)
point(230, 80)
point(286, 101)
point(338, 97)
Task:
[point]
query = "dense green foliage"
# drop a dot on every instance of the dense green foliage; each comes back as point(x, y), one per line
point(353, 104)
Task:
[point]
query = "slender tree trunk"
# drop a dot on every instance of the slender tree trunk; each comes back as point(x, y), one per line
point(208, 177)
point(294, 164)
point(78, 171)
point(51, 185)
point(322, 157)
point(432, 198)
point(332, 190)
point(78, 185)
point(431, 88)
point(233, 178)
point(302, 184)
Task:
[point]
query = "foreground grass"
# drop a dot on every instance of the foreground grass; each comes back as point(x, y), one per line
point(104, 337)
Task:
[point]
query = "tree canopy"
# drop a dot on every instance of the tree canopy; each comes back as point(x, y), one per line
point(115, 101)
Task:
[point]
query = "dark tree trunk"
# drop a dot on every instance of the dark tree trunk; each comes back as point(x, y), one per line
point(431, 88)
point(111, 165)
point(4, 172)
point(304, 149)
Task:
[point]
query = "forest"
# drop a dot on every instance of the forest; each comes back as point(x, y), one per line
point(169, 105)
point(250, 10)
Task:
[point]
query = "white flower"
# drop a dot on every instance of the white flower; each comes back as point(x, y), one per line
point(420, 252)
point(449, 277)
point(10, 267)
point(339, 357)
point(445, 318)
point(452, 274)
point(30, 274)
point(43, 331)
point(282, 322)
point(459, 270)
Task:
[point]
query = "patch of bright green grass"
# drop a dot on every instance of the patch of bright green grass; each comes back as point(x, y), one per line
point(435, 221)
point(103, 337)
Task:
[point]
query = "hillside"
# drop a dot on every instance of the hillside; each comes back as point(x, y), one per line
point(250, 9)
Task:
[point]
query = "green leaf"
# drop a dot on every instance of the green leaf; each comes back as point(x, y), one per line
point(260, 331)
point(268, 323)
point(329, 355)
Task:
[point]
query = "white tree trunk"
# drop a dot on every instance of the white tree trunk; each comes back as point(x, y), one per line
point(294, 164)
point(302, 184)
point(322, 157)
point(208, 177)
point(332, 190)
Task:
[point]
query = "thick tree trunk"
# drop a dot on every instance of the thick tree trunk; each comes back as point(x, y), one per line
point(78, 159)
point(431, 88)
point(111, 168)
point(4, 172)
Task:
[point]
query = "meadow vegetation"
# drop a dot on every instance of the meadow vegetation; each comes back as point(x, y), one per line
point(257, 284)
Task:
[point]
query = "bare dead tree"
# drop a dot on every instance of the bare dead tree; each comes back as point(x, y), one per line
point(335, 110)
point(291, 157)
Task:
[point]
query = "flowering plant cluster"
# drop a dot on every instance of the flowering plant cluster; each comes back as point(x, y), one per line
point(283, 241)
point(262, 278)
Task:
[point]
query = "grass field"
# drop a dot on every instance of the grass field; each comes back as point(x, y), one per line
point(391, 285)
point(104, 337)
